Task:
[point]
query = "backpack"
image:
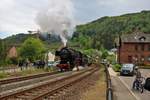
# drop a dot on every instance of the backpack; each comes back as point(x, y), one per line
point(147, 84)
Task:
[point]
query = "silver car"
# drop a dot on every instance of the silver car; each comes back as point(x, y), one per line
point(127, 69)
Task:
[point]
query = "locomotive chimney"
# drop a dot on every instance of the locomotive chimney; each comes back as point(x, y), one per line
point(62, 46)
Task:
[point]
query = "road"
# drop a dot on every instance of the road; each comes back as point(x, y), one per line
point(122, 86)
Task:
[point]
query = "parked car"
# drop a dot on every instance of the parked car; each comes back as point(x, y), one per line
point(50, 63)
point(127, 69)
point(53, 63)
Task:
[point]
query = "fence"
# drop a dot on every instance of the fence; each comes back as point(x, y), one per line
point(14, 68)
point(9, 69)
point(109, 91)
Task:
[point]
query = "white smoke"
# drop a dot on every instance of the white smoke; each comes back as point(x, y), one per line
point(57, 19)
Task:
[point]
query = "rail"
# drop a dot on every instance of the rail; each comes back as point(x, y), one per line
point(50, 87)
point(109, 91)
point(14, 69)
point(22, 78)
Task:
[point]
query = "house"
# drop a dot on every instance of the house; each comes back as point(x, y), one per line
point(12, 53)
point(51, 57)
point(134, 48)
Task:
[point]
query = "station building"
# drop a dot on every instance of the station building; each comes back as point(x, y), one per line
point(134, 48)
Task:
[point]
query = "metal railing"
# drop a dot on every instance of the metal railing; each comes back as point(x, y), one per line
point(6, 69)
point(109, 91)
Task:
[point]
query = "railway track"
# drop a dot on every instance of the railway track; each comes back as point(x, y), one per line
point(23, 78)
point(25, 84)
point(49, 88)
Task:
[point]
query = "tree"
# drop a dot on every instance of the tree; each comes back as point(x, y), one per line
point(32, 49)
point(104, 54)
point(3, 52)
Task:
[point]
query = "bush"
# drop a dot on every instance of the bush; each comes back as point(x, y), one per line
point(111, 58)
point(13, 61)
point(116, 67)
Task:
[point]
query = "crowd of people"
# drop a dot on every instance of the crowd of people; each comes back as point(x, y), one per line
point(37, 64)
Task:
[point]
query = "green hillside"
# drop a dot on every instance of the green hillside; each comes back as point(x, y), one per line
point(102, 32)
point(18, 39)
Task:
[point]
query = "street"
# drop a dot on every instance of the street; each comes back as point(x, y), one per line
point(122, 86)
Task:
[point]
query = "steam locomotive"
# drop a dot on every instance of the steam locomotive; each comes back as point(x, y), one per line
point(70, 58)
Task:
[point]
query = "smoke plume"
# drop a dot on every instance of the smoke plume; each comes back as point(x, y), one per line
point(57, 18)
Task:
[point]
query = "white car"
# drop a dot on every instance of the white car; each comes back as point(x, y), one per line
point(127, 69)
point(50, 63)
point(53, 63)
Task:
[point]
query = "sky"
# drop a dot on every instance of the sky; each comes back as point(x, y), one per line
point(19, 16)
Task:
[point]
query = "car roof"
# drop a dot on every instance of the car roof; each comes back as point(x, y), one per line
point(128, 65)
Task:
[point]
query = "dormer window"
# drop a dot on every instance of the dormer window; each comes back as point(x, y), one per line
point(142, 38)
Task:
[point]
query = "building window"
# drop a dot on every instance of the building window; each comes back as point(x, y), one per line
point(130, 59)
point(136, 58)
point(136, 47)
point(142, 58)
point(148, 58)
point(149, 47)
point(142, 47)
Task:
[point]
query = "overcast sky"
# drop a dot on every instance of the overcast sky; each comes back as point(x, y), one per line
point(18, 16)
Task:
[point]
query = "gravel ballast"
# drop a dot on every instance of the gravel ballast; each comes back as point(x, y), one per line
point(90, 88)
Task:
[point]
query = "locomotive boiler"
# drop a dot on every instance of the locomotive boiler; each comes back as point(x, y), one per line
point(70, 58)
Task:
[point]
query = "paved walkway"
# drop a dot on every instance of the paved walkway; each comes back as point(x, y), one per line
point(112, 72)
point(121, 92)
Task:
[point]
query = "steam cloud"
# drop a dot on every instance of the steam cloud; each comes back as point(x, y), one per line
point(57, 19)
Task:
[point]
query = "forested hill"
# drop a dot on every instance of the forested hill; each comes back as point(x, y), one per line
point(18, 39)
point(103, 31)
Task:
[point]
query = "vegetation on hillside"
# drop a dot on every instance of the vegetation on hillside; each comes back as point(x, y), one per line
point(18, 39)
point(103, 32)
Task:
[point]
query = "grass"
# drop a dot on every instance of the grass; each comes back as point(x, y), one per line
point(22, 73)
point(98, 91)
point(3, 75)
